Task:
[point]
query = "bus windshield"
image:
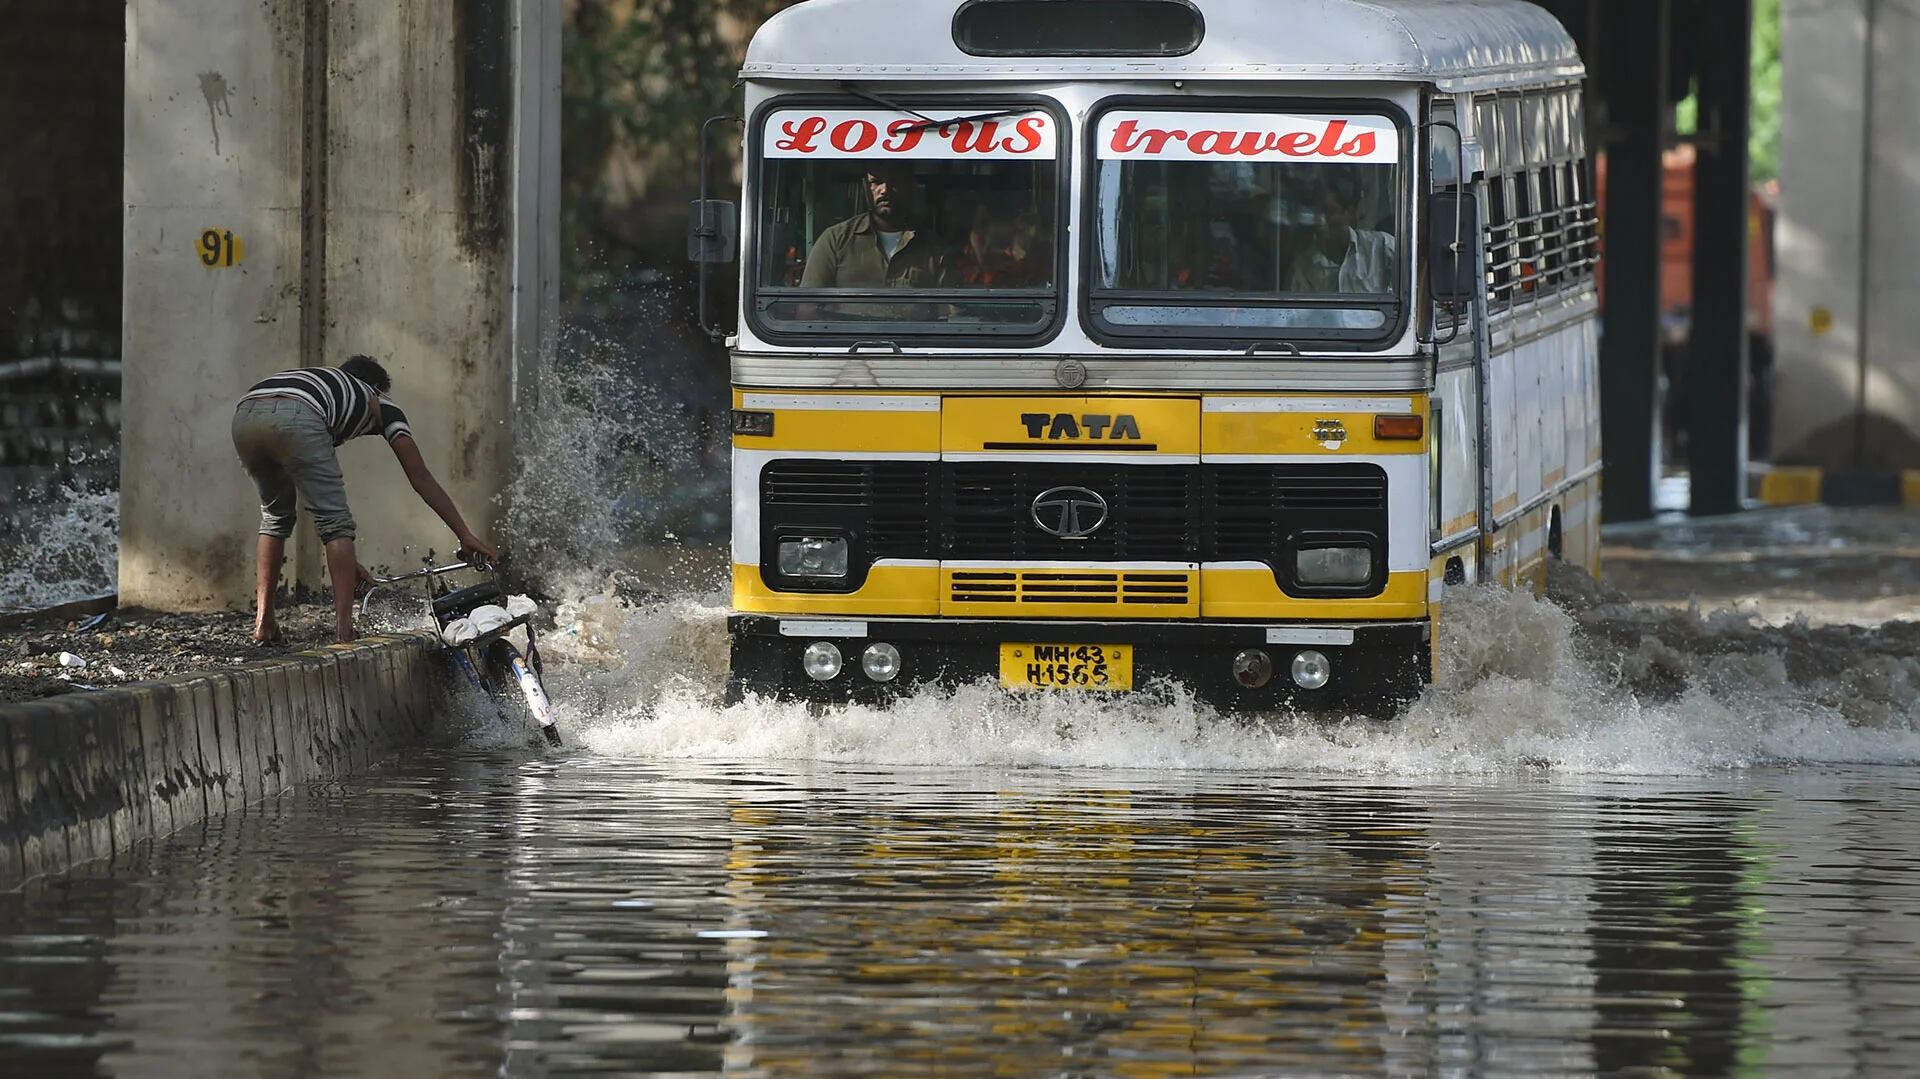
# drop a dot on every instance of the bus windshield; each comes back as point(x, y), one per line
point(1247, 225)
point(884, 224)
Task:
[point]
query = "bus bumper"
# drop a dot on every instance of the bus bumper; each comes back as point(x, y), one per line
point(1377, 667)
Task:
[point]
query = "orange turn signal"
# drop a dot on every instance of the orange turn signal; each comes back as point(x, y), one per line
point(1400, 428)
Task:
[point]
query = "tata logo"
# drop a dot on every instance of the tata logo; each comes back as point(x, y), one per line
point(1071, 513)
point(1055, 426)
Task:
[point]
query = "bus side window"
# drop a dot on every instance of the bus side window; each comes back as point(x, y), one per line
point(1584, 246)
point(1527, 229)
point(1553, 229)
point(1502, 251)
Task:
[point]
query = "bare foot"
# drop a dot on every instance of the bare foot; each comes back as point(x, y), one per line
point(344, 638)
point(267, 634)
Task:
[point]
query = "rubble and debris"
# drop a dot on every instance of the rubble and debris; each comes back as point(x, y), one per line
point(40, 658)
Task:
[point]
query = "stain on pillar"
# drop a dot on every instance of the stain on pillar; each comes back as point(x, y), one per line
point(486, 99)
point(213, 87)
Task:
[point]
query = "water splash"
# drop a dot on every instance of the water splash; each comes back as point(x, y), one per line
point(69, 550)
point(623, 464)
point(1522, 684)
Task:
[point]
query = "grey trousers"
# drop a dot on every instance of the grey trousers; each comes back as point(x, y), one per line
point(288, 451)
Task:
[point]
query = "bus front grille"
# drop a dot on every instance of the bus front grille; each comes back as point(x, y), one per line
point(984, 511)
point(1143, 592)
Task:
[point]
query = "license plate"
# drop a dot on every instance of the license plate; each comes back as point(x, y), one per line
point(1107, 667)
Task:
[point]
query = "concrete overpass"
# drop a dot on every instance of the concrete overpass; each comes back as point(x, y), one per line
point(388, 176)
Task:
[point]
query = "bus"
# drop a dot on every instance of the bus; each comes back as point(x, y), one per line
point(1108, 345)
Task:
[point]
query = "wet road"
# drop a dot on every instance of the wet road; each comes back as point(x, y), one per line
point(470, 912)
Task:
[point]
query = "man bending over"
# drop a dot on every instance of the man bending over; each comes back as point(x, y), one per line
point(285, 429)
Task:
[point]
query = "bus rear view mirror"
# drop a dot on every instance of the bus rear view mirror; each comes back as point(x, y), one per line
point(1453, 246)
point(713, 231)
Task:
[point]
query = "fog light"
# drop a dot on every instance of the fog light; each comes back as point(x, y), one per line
point(1334, 566)
point(1312, 669)
point(1253, 668)
point(821, 661)
point(881, 662)
point(812, 557)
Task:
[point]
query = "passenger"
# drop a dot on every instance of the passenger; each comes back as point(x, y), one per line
point(285, 430)
point(1342, 257)
point(880, 247)
point(1001, 253)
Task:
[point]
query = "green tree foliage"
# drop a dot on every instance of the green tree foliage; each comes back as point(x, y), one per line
point(1764, 143)
point(638, 79)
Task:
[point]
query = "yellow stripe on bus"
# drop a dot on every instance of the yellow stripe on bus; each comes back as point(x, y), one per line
point(1254, 593)
point(1071, 423)
point(848, 432)
point(889, 590)
point(1339, 433)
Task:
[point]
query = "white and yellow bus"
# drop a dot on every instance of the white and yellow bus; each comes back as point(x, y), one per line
point(1098, 344)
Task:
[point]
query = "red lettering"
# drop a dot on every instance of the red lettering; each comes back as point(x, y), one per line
point(1296, 143)
point(968, 139)
point(1362, 145)
point(903, 136)
point(800, 134)
point(854, 136)
point(1124, 141)
point(1208, 142)
point(1032, 129)
point(1249, 144)
point(1157, 139)
point(1330, 141)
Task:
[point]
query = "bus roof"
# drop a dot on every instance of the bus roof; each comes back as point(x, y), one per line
point(1459, 45)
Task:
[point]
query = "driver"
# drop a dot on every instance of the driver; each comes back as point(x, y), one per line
point(882, 246)
point(1343, 257)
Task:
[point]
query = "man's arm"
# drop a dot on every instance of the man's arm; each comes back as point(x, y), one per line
point(435, 496)
point(821, 271)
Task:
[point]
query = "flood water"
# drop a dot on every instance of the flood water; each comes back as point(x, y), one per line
point(481, 911)
point(1613, 839)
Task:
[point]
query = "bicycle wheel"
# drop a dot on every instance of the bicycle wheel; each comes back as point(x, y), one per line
point(517, 691)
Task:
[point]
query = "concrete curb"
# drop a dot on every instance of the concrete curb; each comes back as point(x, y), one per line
point(1792, 485)
point(86, 776)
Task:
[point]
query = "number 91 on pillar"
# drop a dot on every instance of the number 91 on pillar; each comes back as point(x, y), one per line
point(219, 248)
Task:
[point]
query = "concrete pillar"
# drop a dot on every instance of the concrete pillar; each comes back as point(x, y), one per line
point(1717, 362)
point(213, 112)
point(1634, 67)
point(1847, 389)
point(372, 164)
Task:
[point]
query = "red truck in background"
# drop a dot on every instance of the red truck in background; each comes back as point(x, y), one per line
point(1676, 300)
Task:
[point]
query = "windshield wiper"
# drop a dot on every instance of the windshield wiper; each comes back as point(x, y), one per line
point(866, 95)
point(925, 120)
point(926, 123)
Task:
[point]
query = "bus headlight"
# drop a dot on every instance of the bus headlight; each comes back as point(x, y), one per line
point(1333, 565)
point(881, 661)
point(812, 557)
point(821, 660)
point(1312, 670)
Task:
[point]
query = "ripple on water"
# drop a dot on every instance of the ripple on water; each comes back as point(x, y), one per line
point(469, 912)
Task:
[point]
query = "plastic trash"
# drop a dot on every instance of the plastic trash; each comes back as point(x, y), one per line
point(68, 659)
point(488, 617)
point(520, 606)
point(459, 632)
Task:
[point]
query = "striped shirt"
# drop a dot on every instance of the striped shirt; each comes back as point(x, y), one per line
point(350, 407)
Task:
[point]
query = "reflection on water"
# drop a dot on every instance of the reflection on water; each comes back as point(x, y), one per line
point(467, 913)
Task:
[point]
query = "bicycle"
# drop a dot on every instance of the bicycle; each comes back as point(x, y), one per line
point(482, 648)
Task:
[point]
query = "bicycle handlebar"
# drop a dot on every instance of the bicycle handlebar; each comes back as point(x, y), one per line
point(433, 571)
